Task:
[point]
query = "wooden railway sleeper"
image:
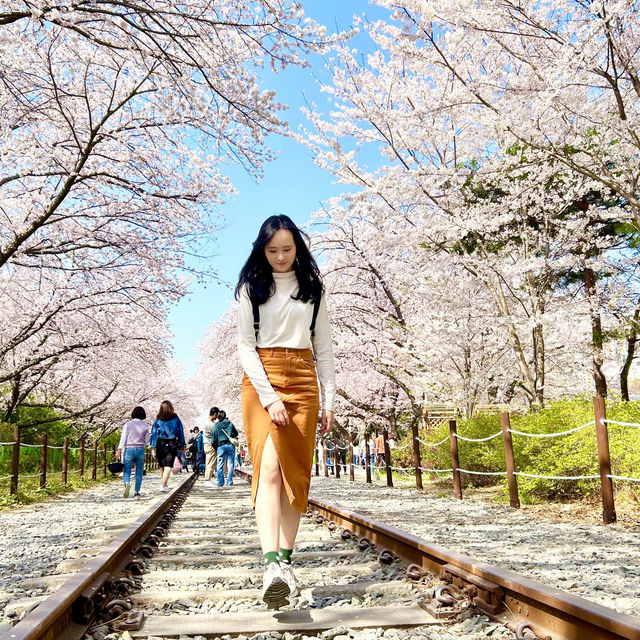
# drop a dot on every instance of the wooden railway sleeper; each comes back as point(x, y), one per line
point(525, 626)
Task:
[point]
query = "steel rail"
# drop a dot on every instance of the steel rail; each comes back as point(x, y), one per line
point(67, 613)
point(504, 595)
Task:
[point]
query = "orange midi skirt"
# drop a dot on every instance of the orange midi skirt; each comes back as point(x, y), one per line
point(292, 374)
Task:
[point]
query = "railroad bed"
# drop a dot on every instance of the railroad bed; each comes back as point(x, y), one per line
point(198, 573)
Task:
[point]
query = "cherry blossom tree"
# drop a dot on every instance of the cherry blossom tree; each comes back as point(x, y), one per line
point(416, 130)
point(117, 122)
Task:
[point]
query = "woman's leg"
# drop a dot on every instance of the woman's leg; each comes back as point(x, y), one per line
point(289, 521)
point(166, 472)
point(139, 467)
point(127, 460)
point(268, 499)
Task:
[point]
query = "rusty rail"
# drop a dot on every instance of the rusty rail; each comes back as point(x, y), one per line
point(67, 613)
point(500, 593)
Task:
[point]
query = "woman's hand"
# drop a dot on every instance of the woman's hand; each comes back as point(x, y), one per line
point(278, 413)
point(327, 421)
point(153, 452)
point(119, 454)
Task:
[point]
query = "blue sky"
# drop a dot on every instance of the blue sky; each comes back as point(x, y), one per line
point(292, 185)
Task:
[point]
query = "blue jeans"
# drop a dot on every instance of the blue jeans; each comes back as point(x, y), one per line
point(225, 452)
point(133, 455)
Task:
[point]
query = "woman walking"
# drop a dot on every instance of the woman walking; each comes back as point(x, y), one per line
point(282, 316)
point(167, 436)
point(133, 440)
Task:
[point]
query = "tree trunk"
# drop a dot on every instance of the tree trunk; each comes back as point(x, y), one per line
point(631, 348)
point(526, 377)
point(597, 339)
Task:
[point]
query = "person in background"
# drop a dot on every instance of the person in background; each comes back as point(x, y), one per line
point(379, 445)
point(221, 436)
point(133, 440)
point(341, 452)
point(209, 451)
point(192, 447)
point(282, 317)
point(184, 461)
point(167, 436)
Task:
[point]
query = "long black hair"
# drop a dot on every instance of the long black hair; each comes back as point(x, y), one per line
point(258, 275)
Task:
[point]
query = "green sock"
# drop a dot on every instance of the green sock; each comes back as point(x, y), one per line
point(285, 555)
point(271, 556)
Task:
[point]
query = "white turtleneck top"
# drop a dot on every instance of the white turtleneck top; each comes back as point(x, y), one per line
point(285, 322)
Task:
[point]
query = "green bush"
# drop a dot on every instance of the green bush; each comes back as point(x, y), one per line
point(575, 454)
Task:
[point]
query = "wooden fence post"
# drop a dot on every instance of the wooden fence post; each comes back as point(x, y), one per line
point(367, 458)
point(104, 459)
point(15, 461)
point(387, 458)
point(81, 459)
point(455, 461)
point(604, 460)
point(505, 423)
point(43, 461)
point(65, 458)
point(417, 463)
point(94, 463)
point(351, 468)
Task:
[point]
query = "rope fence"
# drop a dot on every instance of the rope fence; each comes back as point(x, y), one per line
point(368, 458)
point(22, 466)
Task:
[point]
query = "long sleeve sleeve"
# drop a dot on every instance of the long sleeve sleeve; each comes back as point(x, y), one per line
point(180, 434)
point(146, 437)
point(154, 434)
point(249, 357)
point(123, 436)
point(323, 350)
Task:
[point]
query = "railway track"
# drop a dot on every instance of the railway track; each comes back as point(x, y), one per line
point(192, 566)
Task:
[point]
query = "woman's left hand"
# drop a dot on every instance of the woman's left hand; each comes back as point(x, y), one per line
point(327, 421)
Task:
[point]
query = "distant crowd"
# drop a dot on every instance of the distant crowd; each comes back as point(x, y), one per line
point(215, 447)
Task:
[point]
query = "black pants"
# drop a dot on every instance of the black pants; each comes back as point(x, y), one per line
point(166, 451)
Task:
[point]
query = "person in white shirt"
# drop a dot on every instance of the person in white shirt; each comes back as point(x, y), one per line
point(282, 316)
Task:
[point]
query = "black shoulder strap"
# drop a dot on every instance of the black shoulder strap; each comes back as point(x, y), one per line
point(312, 328)
point(256, 317)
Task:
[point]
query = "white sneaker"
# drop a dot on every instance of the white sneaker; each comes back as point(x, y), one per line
point(274, 587)
point(127, 489)
point(289, 578)
point(207, 483)
point(165, 489)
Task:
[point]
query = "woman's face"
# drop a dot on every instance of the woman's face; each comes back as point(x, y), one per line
point(281, 251)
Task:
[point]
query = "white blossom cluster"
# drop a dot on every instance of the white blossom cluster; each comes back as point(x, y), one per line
point(116, 123)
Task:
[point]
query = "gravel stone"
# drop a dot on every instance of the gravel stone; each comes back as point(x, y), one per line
point(598, 562)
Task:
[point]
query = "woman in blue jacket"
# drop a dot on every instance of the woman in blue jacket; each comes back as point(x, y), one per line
point(167, 436)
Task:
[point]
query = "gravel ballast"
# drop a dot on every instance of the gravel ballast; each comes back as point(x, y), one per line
point(597, 562)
